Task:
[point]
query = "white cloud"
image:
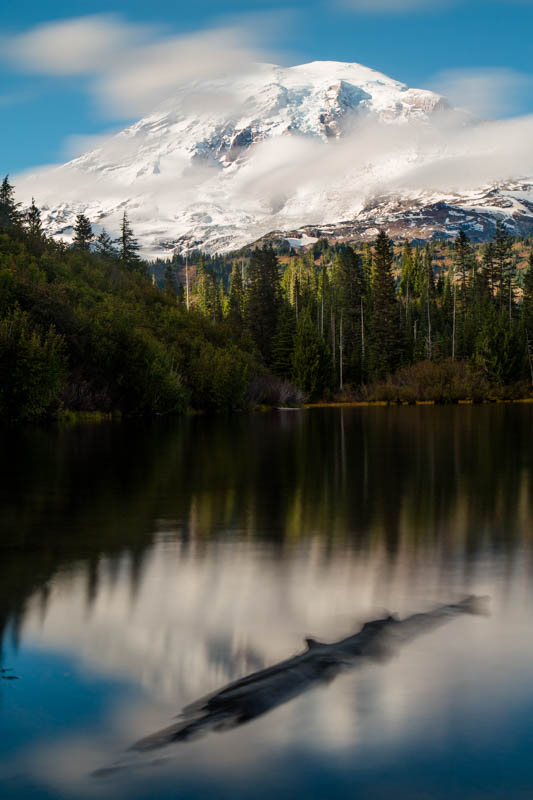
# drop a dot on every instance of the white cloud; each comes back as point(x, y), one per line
point(78, 46)
point(394, 6)
point(486, 92)
point(131, 68)
point(148, 74)
point(78, 143)
point(411, 6)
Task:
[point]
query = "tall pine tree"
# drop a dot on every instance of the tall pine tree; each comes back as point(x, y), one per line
point(385, 335)
point(105, 246)
point(263, 297)
point(128, 245)
point(83, 233)
point(10, 216)
point(33, 220)
point(311, 360)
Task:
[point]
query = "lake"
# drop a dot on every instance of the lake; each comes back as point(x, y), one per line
point(146, 564)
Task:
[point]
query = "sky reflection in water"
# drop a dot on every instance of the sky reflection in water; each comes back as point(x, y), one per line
point(146, 565)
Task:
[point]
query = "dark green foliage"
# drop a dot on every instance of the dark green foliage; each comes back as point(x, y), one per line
point(170, 287)
point(488, 269)
point(263, 297)
point(528, 298)
point(10, 216)
point(283, 343)
point(348, 287)
point(235, 310)
point(463, 265)
point(105, 246)
point(128, 245)
point(311, 360)
point(329, 317)
point(502, 248)
point(33, 219)
point(528, 316)
point(385, 341)
point(32, 367)
point(219, 376)
point(499, 349)
point(88, 333)
point(83, 233)
point(205, 294)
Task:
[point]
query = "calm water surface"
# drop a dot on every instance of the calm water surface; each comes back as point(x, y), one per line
point(145, 565)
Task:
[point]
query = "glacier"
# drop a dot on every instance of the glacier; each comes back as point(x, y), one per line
point(322, 149)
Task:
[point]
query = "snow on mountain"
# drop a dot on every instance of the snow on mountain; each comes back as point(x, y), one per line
point(333, 146)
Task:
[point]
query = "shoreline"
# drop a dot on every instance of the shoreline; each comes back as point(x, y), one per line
point(386, 403)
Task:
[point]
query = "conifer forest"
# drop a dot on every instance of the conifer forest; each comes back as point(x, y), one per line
point(91, 326)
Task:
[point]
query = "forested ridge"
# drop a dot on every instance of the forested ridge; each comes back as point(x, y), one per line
point(84, 328)
point(91, 326)
point(442, 320)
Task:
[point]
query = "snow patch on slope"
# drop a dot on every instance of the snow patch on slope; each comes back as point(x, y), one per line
point(223, 162)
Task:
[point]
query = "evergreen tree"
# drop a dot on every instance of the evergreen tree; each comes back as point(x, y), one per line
point(367, 267)
point(205, 299)
point(429, 277)
point(283, 342)
point(170, 288)
point(83, 233)
point(10, 216)
point(128, 245)
point(33, 218)
point(105, 246)
point(181, 294)
point(263, 297)
point(311, 360)
point(498, 349)
point(385, 336)
point(527, 313)
point(488, 268)
point(348, 286)
point(502, 246)
point(528, 297)
point(406, 274)
point(463, 261)
point(419, 277)
point(236, 299)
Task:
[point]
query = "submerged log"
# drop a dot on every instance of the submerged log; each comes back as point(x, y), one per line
point(253, 695)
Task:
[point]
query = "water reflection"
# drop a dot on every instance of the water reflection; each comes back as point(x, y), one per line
point(255, 694)
point(173, 558)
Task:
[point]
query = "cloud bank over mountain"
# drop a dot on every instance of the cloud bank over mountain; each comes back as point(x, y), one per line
point(225, 161)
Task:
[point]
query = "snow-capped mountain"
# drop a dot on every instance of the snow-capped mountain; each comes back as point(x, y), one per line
point(326, 148)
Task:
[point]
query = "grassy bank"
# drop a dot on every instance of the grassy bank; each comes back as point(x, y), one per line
point(434, 383)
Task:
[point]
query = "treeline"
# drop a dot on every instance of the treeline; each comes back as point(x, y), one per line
point(87, 326)
point(340, 319)
point(82, 327)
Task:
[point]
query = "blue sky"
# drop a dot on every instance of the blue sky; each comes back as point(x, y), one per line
point(480, 52)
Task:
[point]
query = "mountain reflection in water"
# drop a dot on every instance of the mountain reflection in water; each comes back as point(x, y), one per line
point(174, 557)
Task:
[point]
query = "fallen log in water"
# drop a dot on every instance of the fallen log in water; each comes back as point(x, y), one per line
point(249, 697)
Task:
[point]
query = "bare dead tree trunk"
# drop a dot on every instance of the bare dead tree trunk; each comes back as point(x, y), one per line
point(187, 280)
point(454, 315)
point(528, 345)
point(340, 354)
point(333, 349)
point(362, 331)
point(430, 348)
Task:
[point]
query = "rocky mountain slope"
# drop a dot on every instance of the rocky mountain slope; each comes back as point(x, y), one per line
point(326, 148)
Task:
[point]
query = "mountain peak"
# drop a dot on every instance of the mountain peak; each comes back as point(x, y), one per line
point(225, 161)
